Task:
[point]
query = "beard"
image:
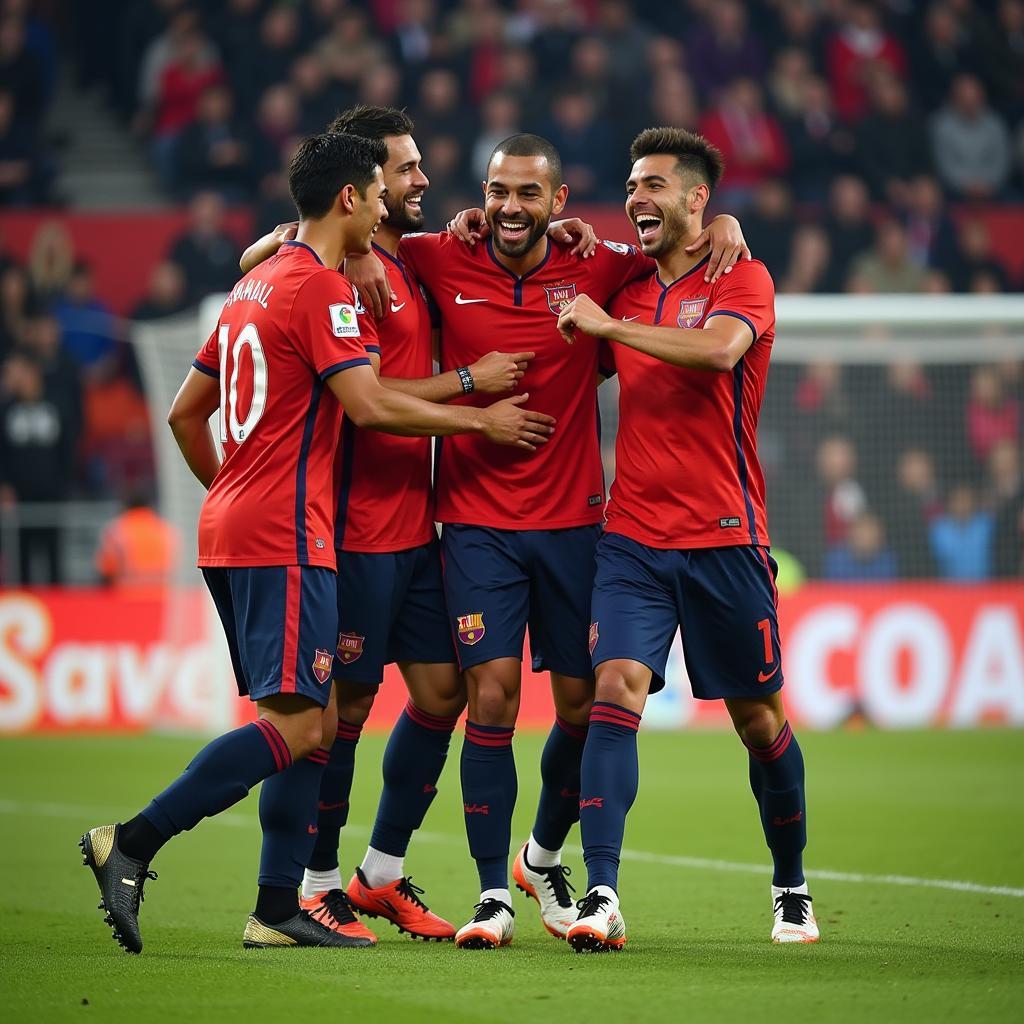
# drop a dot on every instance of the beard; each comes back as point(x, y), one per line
point(401, 216)
point(536, 230)
point(673, 227)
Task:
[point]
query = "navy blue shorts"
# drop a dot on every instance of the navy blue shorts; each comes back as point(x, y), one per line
point(390, 608)
point(280, 622)
point(723, 600)
point(498, 581)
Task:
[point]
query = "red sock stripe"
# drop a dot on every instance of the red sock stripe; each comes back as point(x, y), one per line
point(613, 714)
point(429, 721)
point(320, 756)
point(278, 747)
point(484, 737)
point(349, 732)
point(577, 732)
point(776, 750)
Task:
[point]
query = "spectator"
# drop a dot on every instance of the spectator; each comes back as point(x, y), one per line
point(864, 556)
point(22, 178)
point(723, 48)
point(625, 36)
point(1003, 47)
point(206, 252)
point(62, 376)
point(975, 257)
point(414, 40)
point(1006, 498)
point(277, 126)
point(891, 141)
point(991, 415)
point(931, 236)
point(449, 192)
point(350, 51)
point(213, 152)
point(770, 225)
point(21, 74)
point(479, 57)
point(166, 295)
point(911, 507)
point(381, 87)
point(787, 84)
point(859, 45)
point(517, 76)
point(849, 227)
point(14, 307)
point(799, 25)
point(439, 109)
point(500, 118)
point(887, 267)
point(751, 140)
point(808, 264)
point(942, 52)
point(961, 538)
point(970, 143)
point(585, 143)
point(37, 451)
point(87, 325)
point(318, 100)
point(673, 101)
point(819, 144)
point(272, 60)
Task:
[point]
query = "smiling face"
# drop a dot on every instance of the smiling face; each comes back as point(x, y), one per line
point(405, 183)
point(367, 213)
point(662, 204)
point(519, 202)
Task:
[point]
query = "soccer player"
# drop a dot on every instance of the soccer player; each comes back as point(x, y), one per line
point(518, 539)
point(686, 539)
point(285, 335)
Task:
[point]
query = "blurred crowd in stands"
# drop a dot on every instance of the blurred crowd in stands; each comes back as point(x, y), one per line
point(861, 138)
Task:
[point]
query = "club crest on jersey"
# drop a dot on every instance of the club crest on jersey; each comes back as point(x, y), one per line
point(322, 665)
point(691, 311)
point(593, 636)
point(559, 296)
point(350, 647)
point(471, 628)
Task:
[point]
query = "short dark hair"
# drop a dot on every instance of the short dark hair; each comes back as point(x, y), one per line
point(695, 156)
point(372, 122)
point(324, 164)
point(530, 145)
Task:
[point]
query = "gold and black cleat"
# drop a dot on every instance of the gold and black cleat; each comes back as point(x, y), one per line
point(121, 880)
point(300, 930)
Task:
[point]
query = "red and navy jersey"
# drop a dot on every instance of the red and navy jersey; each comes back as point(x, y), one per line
point(286, 327)
point(686, 467)
point(385, 500)
point(484, 306)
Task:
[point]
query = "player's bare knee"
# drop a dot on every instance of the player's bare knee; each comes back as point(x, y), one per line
point(436, 689)
point(756, 722)
point(493, 694)
point(305, 734)
point(573, 698)
point(329, 727)
point(624, 683)
point(354, 706)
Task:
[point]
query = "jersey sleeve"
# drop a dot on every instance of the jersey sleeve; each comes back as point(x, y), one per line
point(367, 327)
point(207, 359)
point(324, 325)
point(424, 255)
point(747, 292)
point(613, 266)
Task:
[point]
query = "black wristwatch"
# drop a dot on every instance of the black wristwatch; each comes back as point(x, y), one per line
point(467, 379)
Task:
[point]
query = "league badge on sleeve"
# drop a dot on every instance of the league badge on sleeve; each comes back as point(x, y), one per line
point(350, 647)
point(322, 665)
point(471, 628)
point(559, 296)
point(691, 311)
point(343, 320)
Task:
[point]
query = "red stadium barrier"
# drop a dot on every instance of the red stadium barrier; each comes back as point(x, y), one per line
point(900, 656)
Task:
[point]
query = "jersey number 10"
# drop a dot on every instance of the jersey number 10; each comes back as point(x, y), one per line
point(247, 336)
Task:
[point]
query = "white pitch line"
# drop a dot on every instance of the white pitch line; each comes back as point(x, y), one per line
point(235, 820)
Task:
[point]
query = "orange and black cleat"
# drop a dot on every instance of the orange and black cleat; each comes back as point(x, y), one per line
point(332, 910)
point(399, 902)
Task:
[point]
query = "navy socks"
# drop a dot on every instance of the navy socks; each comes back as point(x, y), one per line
point(610, 779)
point(489, 789)
point(413, 760)
point(220, 775)
point(335, 789)
point(559, 806)
point(777, 781)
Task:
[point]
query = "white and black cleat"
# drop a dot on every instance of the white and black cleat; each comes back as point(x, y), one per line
point(493, 925)
point(794, 919)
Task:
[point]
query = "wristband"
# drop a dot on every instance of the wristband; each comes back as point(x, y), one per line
point(467, 379)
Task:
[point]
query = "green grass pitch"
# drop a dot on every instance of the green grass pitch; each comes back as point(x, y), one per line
point(921, 805)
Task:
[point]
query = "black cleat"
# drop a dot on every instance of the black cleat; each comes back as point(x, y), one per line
point(121, 880)
point(300, 930)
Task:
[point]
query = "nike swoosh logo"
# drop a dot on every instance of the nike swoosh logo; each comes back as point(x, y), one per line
point(460, 301)
point(397, 309)
point(627, 319)
point(762, 678)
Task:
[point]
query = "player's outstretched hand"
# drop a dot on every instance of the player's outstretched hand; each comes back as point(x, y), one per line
point(728, 246)
point(507, 423)
point(572, 229)
point(370, 280)
point(499, 371)
point(584, 314)
point(469, 226)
